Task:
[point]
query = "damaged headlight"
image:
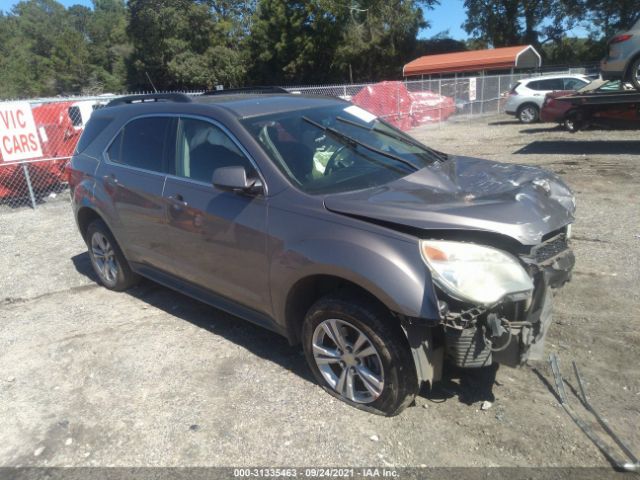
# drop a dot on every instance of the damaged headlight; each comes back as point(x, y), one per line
point(474, 273)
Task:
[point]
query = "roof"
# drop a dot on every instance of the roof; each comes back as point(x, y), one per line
point(249, 105)
point(240, 105)
point(552, 77)
point(522, 56)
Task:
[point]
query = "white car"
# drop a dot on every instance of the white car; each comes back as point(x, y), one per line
point(527, 96)
point(623, 59)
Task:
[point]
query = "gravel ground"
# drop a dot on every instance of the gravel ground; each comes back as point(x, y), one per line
point(150, 377)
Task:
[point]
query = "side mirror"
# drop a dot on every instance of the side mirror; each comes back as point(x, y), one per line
point(234, 179)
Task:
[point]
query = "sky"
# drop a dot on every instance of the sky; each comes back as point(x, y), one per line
point(449, 15)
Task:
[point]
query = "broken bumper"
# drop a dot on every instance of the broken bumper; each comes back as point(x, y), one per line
point(513, 331)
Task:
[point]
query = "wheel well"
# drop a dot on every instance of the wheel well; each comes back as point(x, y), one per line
point(527, 104)
point(627, 73)
point(86, 215)
point(311, 289)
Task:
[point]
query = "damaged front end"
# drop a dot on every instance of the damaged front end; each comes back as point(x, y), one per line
point(513, 329)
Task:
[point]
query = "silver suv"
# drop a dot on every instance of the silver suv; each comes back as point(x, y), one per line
point(313, 218)
point(527, 96)
point(623, 60)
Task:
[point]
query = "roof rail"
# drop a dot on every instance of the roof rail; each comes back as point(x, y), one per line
point(247, 90)
point(152, 97)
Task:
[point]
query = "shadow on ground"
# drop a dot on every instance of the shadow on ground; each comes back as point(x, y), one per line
point(469, 386)
point(582, 147)
point(259, 341)
point(504, 122)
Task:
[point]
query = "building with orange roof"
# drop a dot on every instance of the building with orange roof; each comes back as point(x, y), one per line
point(506, 58)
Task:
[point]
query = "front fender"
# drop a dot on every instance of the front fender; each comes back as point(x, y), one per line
point(388, 268)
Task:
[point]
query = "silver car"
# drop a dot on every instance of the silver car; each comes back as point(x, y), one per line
point(527, 96)
point(623, 60)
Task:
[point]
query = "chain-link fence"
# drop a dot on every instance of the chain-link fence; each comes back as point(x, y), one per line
point(38, 137)
point(412, 102)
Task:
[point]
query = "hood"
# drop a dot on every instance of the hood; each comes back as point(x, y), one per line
point(463, 193)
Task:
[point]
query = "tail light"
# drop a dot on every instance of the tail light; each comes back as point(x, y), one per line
point(620, 38)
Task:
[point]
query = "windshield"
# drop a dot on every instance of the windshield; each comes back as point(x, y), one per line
point(338, 148)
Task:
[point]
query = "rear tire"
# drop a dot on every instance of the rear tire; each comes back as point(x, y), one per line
point(528, 113)
point(359, 356)
point(634, 73)
point(107, 259)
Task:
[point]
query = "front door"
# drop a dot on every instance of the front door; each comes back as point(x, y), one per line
point(216, 239)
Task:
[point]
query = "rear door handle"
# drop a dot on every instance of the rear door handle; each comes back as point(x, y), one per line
point(177, 201)
point(111, 179)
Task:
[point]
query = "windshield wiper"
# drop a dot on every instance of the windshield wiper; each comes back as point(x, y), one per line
point(439, 155)
point(352, 142)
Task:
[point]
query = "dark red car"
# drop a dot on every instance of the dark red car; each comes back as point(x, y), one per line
point(556, 108)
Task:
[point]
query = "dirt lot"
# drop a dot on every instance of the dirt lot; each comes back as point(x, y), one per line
point(150, 377)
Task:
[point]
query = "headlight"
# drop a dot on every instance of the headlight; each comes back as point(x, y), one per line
point(473, 273)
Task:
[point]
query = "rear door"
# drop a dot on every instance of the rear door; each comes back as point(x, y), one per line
point(216, 239)
point(133, 176)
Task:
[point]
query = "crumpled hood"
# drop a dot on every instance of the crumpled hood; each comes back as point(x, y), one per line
point(463, 193)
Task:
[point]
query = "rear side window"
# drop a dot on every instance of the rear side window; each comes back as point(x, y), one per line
point(514, 88)
point(142, 143)
point(91, 131)
point(551, 84)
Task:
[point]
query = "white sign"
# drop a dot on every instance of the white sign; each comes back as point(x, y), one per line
point(473, 88)
point(18, 135)
point(360, 113)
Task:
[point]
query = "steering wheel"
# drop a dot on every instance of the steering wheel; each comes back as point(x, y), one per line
point(335, 162)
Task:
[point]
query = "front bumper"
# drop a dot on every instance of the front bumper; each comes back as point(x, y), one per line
point(513, 331)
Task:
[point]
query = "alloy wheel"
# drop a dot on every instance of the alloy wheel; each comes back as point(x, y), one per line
point(348, 361)
point(528, 115)
point(104, 258)
point(635, 75)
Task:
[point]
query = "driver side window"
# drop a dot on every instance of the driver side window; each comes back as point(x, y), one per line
point(202, 148)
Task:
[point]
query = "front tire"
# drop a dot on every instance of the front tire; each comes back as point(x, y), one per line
point(359, 356)
point(107, 259)
point(572, 124)
point(528, 113)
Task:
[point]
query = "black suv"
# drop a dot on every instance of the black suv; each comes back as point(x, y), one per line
point(311, 217)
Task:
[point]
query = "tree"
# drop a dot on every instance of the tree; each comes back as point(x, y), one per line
point(502, 23)
point(606, 17)
point(291, 42)
point(109, 46)
point(333, 40)
point(438, 44)
point(185, 44)
point(378, 36)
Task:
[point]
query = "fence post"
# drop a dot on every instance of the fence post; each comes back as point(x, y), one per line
point(398, 102)
point(25, 170)
point(499, 109)
point(484, 84)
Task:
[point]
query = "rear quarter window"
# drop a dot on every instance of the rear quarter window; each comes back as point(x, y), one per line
point(534, 85)
point(91, 131)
